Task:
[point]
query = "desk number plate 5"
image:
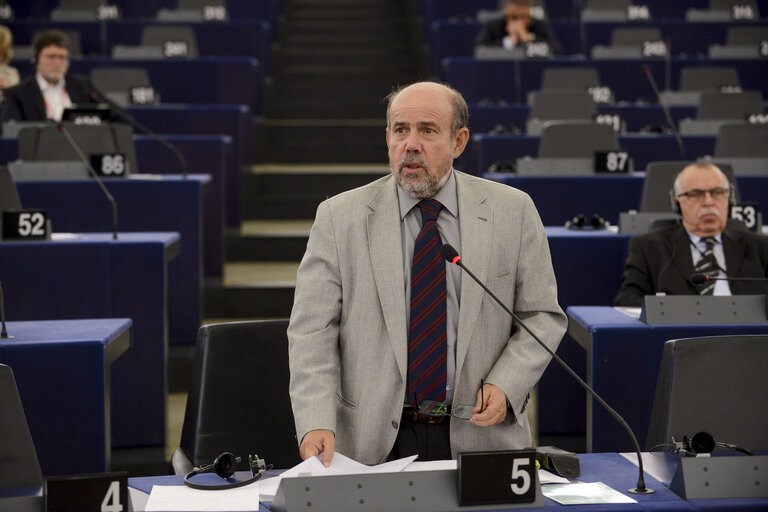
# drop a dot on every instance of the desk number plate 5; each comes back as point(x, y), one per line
point(26, 225)
point(497, 477)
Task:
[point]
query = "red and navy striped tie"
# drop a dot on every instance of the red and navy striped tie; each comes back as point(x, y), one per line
point(427, 331)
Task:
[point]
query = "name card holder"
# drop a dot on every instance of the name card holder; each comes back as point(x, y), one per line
point(413, 491)
point(721, 477)
point(704, 309)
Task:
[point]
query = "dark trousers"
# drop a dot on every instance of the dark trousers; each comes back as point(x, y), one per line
point(430, 441)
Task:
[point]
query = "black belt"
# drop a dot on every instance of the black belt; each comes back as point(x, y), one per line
point(411, 413)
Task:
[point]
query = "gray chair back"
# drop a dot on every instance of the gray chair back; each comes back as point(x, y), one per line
point(570, 78)
point(559, 104)
point(746, 36)
point(9, 196)
point(238, 398)
point(708, 78)
point(716, 385)
point(717, 105)
point(742, 140)
point(119, 79)
point(634, 36)
point(156, 35)
point(566, 139)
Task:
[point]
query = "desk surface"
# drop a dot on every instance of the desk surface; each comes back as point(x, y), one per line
point(62, 372)
point(93, 276)
point(610, 468)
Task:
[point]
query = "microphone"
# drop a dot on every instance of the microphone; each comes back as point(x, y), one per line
point(450, 254)
point(704, 278)
point(665, 109)
point(128, 118)
point(63, 129)
point(3, 331)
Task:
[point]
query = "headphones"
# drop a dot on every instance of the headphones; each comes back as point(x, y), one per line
point(225, 465)
point(579, 222)
point(703, 443)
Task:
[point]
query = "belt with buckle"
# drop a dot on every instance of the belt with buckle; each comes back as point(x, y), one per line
point(411, 413)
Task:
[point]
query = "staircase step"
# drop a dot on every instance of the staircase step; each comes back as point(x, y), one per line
point(295, 192)
point(308, 141)
point(251, 290)
point(268, 240)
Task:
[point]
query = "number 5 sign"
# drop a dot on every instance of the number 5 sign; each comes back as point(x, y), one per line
point(499, 477)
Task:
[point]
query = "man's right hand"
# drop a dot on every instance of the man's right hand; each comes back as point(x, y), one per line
point(316, 442)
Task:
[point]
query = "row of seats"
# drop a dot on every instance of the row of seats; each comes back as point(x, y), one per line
point(603, 10)
point(166, 10)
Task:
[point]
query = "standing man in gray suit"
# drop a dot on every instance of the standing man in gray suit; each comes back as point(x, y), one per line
point(355, 335)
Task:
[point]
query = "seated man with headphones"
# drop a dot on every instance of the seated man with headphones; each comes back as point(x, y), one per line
point(702, 242)
point(46, 94)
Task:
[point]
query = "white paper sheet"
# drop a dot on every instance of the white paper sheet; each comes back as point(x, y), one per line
point(180, 498)
point(584, 493)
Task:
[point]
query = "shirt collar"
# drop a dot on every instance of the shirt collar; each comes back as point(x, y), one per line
point(44, 85)
point(446, 195)
point(696, 239)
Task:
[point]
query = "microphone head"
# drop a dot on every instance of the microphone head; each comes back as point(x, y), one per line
point(702, 442)
point(449, 253)
point(699, 278)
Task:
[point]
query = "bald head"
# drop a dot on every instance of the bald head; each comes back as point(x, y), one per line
point(458, 105)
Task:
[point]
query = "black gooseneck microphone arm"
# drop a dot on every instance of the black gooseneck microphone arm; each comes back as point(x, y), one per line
point(451, 255)
point(665, 109)
point(63, 129)
point(128, 118)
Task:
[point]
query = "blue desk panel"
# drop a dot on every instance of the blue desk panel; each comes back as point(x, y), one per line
point(167, 204)
point(62, 370)
point(231, 120)
point(559, 198)
point(611, 469)
point(207, 80)
point(623, 358)
point(93, 276)
point(205, 154)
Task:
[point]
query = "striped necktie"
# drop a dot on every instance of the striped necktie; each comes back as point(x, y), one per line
point(427, 331)
point(707, 265)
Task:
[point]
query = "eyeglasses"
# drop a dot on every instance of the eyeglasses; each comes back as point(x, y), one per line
point(697, 194)
point(441, 409)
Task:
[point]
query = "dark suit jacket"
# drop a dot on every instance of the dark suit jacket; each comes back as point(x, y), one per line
point(24, 102)
point(494, 32)
point(661, 261)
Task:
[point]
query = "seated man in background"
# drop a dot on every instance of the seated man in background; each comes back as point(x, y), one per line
point(51, 90)
point(517, 28)
point(663, 261)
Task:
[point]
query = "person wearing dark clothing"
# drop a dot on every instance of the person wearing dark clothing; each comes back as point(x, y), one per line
point(517, 28)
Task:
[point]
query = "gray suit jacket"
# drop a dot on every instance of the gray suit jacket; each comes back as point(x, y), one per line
point(348, 343)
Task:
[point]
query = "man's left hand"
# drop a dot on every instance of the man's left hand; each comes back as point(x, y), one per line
point(491, 408)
